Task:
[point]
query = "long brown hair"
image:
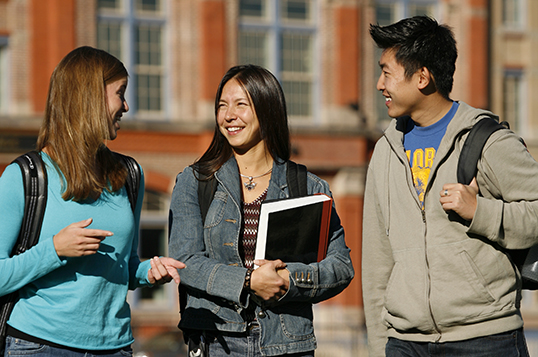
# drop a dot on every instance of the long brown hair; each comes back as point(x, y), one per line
point(76, 123)
point(270, 106)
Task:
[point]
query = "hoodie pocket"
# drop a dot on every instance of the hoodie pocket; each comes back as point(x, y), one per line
point(476, 279)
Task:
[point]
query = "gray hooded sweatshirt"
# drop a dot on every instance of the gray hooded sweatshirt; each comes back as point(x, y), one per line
point(428, 275)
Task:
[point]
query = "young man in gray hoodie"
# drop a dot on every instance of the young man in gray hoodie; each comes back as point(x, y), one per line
point(436, 278)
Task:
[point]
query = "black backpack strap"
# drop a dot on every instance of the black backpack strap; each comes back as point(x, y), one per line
point(132, 183)
point(467, 168)
point(296, 175)
point(206, 190)
point(207, 186)
point(34, 177)
point(35, 199)
point(472, 148)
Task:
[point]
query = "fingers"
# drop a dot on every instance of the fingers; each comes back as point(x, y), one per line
point(460, 199)
point(88, 232)
point(267, 283)
point(260, 262)
point(451, 188)
point(77, 240)
point(164, 270)
point(277, 264)
point(159, 271)
point(474, 184)
point(83, 224)
point(173, 263)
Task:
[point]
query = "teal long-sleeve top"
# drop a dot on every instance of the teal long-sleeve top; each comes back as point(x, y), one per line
point(76, 302)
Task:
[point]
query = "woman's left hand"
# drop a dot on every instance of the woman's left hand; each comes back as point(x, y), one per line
point(163, 270)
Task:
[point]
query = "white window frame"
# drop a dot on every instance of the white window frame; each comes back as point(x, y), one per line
point(129, 19)
point(274, 26)
point(516, 20)
point(515, 114)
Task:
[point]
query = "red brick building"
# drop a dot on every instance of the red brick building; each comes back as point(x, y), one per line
point(176, 52)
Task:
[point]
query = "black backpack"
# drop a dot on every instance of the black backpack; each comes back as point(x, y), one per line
point(296, 177)
point(467, 169)
point(35, 200)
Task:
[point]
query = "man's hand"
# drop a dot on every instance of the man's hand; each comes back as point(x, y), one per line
point(460, 199)
point(163, 270)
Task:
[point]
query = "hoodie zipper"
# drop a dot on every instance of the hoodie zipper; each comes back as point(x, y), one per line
point(423, 213)
point(435, 326)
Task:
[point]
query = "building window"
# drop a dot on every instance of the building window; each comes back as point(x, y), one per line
point(281, 35)
point(152, 243)
point(253, 8)
point(420, 9)
point(109, 38)
point(133, 31)
point(253, 47)
point(513, 13)
point(4, 73)
point(513, 100)
point(154, 202)
point(109, 4)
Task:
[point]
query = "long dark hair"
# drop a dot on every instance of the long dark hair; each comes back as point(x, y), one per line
point(269, 104)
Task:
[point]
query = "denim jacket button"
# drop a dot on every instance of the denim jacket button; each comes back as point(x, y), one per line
point(261, 314)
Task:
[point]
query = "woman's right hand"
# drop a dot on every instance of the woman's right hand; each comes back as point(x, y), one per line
point(76, 240)
point(266, 282)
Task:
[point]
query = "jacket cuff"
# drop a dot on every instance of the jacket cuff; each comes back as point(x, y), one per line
point(487, 219)
point(303, 280)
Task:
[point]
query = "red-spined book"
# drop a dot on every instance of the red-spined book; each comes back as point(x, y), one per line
point(294, 229)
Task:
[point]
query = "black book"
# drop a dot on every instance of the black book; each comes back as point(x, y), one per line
point(294, 229)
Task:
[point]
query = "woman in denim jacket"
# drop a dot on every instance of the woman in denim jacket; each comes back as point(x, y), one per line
point(236, 310)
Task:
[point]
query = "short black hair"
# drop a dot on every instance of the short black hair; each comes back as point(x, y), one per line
point(418, 42)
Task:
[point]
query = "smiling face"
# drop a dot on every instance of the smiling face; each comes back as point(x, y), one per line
point(117, 105)
point(236, 118)
point(402, 95)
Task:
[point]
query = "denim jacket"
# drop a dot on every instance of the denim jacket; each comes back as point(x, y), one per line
point(215, 272)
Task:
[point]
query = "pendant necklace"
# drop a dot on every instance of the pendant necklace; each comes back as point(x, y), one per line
point(250, 185)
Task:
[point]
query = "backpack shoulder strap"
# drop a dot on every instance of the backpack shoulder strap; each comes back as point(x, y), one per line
point(132, 183)
point(472, 148)
point(34, 178)
point(207, 186)
point(296, 175)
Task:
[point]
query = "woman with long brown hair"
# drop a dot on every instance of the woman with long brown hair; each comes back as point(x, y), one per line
point(73, 283)
point(231, 308)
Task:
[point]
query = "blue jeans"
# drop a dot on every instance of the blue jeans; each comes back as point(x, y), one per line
point(19, 347)
point(506, 344)
point(241, 345)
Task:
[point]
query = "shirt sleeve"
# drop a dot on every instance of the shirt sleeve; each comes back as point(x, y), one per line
point(138, 271)
point(508, 203)
point(37, 261)
point(320, 281)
